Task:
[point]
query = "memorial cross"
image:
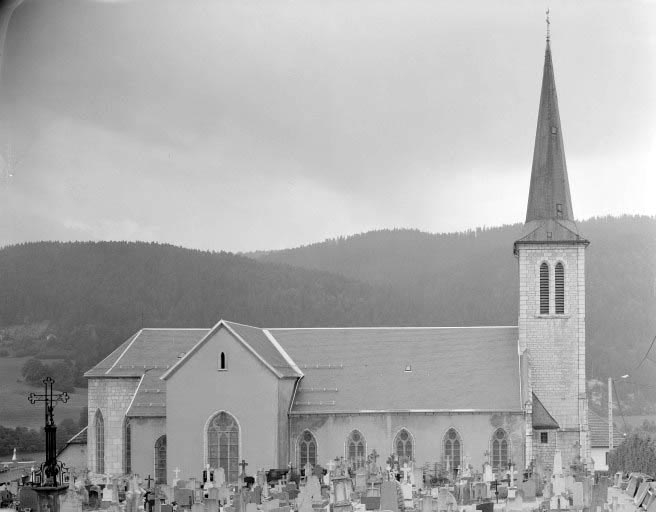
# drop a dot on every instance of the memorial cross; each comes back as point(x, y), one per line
point(177, 472)
point(374, 455)
point(149, 479)
point(243, 465)
point(50, 469)
point(406, 470)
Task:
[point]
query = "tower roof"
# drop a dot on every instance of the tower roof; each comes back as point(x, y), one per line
point(549, 215)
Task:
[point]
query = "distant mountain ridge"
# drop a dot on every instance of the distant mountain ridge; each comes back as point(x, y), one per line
point(93, 295)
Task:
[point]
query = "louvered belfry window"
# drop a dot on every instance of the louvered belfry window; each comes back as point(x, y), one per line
point(560, 289)
point(544, 289)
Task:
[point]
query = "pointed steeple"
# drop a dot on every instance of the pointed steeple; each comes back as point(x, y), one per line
point(549, 215)
point(549, 194)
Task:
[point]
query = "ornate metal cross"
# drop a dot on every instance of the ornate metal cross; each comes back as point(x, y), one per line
point(50, 469)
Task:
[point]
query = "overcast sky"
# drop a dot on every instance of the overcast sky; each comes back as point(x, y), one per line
point(264, 124)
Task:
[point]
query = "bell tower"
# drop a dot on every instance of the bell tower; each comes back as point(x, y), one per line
point(551, 255)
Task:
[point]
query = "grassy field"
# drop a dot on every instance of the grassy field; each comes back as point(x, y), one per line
point(17, 411)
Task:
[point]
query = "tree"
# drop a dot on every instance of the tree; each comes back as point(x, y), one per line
point(34, 371)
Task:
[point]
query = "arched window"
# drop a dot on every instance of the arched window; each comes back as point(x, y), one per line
point(223, 445)
point(127, 447)
point(160, 460)
point(560, 288)
point(500, 449)
point(452, 449)
point(544, 289)
point(307, 449)
point(403, 446)
point(222, 361)
point(356, 450)
point(100, 443)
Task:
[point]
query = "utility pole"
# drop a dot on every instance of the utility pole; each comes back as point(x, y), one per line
point(610, 413)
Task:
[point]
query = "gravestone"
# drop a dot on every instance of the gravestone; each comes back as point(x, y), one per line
point(211, 505)
point(641, 493)
point(389, 499)
point(70, 502)
point(361, 480)
point(446, 501)
point(527, 489)
point(183, 497)
point(577, 495)
point(224, 494)
point(634, 482)
point(406, 489)
point(197, 507)
point(515, 505)
point(427, 504)
point(600, 493)
point(304, 500)
point(417, 478)
point(488, 476)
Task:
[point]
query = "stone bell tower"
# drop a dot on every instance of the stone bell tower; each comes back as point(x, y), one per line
point(551, 254)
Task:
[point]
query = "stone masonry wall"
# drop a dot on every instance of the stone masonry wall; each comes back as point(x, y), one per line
point(112, 396)
point(556, 343)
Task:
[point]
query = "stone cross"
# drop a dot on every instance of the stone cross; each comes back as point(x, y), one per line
point(149, 479)
point(176, 471)
point(243, 465)
point(406, 470)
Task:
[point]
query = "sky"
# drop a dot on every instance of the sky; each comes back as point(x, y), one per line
point(244, 125)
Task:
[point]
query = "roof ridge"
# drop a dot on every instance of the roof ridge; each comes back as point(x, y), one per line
point(391, 328)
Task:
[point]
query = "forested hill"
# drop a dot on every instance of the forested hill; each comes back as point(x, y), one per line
point(86, 298)
point(471, 278)
point(80, 300)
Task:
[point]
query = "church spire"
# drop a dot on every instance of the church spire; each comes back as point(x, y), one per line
point(549, 215)
point(549, 196)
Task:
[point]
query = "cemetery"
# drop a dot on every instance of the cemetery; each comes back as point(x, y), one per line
point(340, 486)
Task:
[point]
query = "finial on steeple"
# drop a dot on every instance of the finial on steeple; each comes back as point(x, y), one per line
point(548, 23)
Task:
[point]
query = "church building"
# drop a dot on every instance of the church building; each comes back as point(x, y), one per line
point(169, 401)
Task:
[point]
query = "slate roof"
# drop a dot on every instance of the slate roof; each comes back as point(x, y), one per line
point(79, 438)
point(254, 339)
point(150, 397)
point(549, 215)
point(541, 418)
point(147, 349)
point(363, 369)
point(599, 431)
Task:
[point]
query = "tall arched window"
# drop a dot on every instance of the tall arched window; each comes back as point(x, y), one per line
point(356, 450)
point(560, 288)
point(127, 447)
point(222, 361)
point(403, 446)
point(500, 449)
point(307, 449)
point(544, 289)
point(452, 449)
point(223, 445)
point(160, 460)
point(100, 442)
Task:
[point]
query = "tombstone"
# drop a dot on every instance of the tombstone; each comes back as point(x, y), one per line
point(389, 499)
point(406, 471)
point(304, 500)
point(527, 489)
point(446, 501)
point(480, 491)
point(488, 476)
point(183, 497)
point(515, 505)
point(634, 482)
point(197, 507)
point(70, 502)
point(406, 489)
point(652, 506)
point(417, 478)
point(427, 504)
point(558, 463)
point(361, 480)
point(600, 493)
point(577, 495)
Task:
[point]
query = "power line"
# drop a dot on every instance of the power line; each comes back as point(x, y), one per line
point(619, 405)
point(647, 353)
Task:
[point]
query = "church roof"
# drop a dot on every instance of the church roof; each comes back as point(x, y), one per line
point(541, 418)
point(599, 431)
point(549, 215)
point(255, 339)
point(150, 397)
point(423, 369)
point(147, 349)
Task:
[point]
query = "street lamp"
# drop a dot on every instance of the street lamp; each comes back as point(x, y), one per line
point(610, 409)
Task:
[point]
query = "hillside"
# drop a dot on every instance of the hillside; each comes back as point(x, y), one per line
point(471, 278)
point(78, 301)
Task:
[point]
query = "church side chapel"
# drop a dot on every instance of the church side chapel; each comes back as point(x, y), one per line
point(248, 418)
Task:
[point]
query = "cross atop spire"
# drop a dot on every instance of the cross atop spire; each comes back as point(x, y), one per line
point(548, 23)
